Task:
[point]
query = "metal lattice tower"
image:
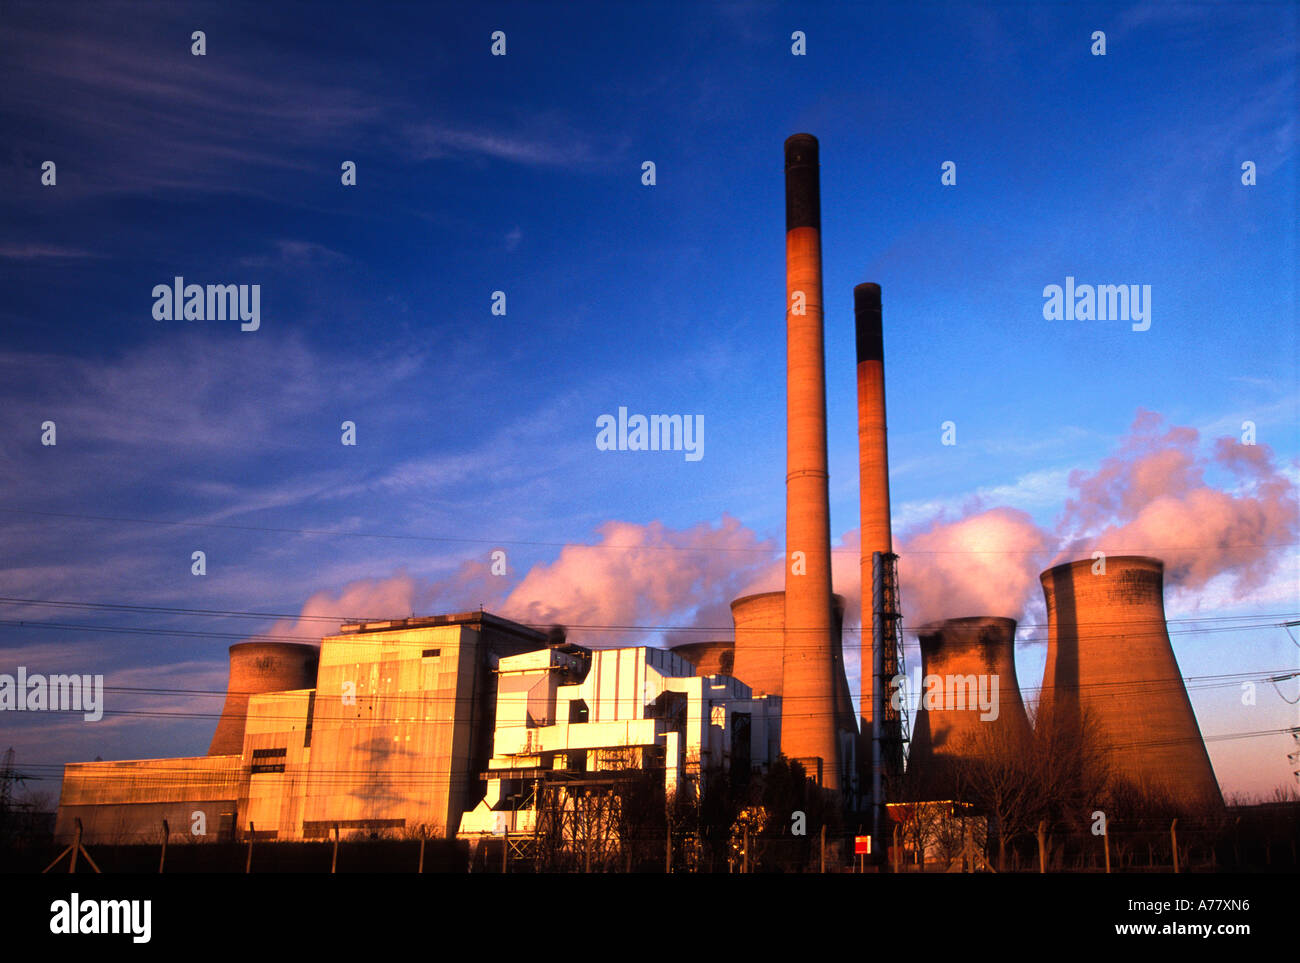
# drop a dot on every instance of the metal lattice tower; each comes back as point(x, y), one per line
point(895, 725)
point(889, 723)
point(900, 725)
point(7, 778)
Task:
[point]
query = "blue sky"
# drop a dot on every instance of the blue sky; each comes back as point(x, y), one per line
point(523, 174)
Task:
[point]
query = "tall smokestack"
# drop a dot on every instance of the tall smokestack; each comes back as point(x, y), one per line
point(873, 470)
point(808, 690)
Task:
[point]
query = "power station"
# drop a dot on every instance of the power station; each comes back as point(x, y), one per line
point(474, 725)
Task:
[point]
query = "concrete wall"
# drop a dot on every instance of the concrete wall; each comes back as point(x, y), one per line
point(126, 801)
point(391, 733)
point(393, 737)
point(277, 737)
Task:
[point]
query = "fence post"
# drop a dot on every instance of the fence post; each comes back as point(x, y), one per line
point(420, 869)
point(74, 849)
point(334, 862)
point(1105, 838)
point(1042, 848)
point(163, 858)
point(823, 869)
point(1173, 836)
point(505, 853)
point(252, 831)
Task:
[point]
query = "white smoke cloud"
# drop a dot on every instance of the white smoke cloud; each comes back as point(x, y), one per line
point(634, 576)
point(984, 564)
point(642, 575)
point(1150, 497)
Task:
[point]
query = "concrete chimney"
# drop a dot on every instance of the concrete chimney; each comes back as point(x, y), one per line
point(808, 696)
point(873, 473)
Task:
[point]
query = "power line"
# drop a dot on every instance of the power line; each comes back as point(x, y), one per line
point(143, 770)
point(277, 530)
point(391, 705)
point(1198, 681)
point(180, 610)
point(1130, 626)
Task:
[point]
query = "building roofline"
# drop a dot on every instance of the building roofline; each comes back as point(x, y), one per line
point(477, 618)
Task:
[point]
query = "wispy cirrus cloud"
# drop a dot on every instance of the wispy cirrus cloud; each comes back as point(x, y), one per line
point(530, 144)
point(43, 252)
point(295, 254)
point(153, 117)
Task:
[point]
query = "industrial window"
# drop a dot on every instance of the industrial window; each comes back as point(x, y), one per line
point(740, 757)
point(432, 653)
point(318, 828)
point(670, 706)
point(311, 714)
point(268, 760)
point(578, 711)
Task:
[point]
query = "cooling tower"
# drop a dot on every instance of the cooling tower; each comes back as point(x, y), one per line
point(1109, 661)
point(709, 658)
point(808, 687)
point(760, 639)
point(759, 621)
point(260, 667)
point(970, 706)
point(873, 472)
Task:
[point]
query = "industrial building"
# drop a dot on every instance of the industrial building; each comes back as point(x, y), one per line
point(427, 726)
point(477, 725)
point(571, 721)
point(388, 735)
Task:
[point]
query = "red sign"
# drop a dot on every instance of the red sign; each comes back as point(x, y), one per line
point(861, 845)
